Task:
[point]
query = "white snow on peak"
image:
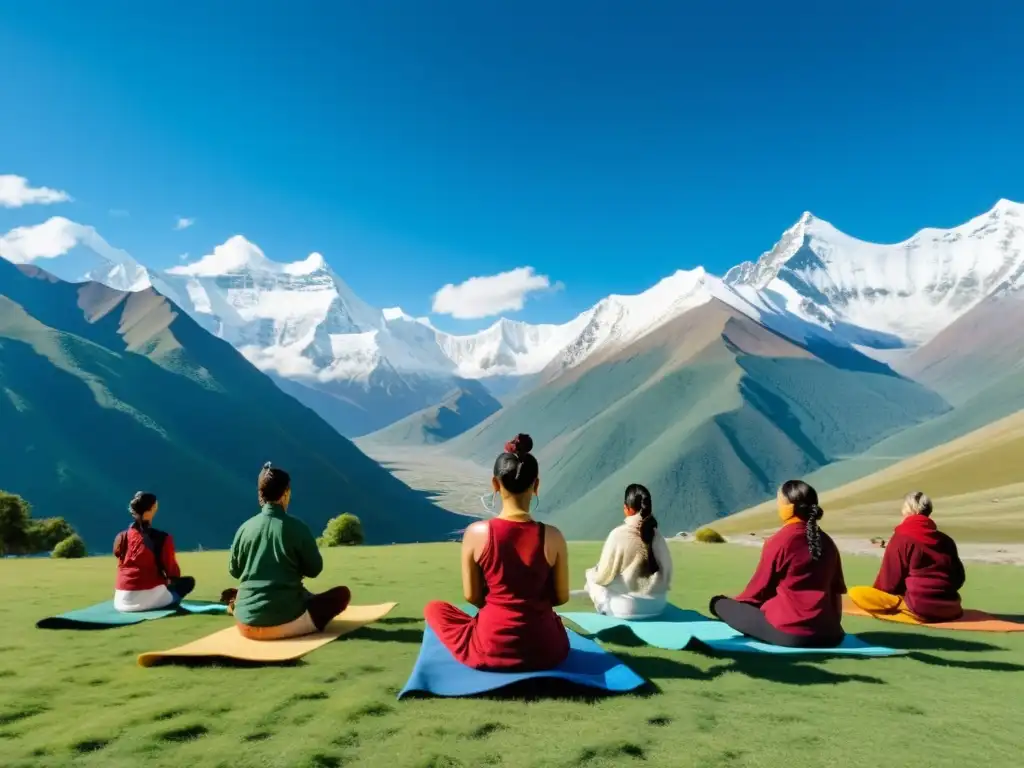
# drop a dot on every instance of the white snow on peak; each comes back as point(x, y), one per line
point(885, 297)
point(73, 252)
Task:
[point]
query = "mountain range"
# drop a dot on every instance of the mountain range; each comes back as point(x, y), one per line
point(826, 355)
point(105, 392)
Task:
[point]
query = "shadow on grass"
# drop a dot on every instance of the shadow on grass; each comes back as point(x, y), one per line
point(1016, 618)
point(388, 635)
point(980, 665)
point(915, 641)
point(221, 662)
point(789, 671)
point(547, 689)
point(398, 621)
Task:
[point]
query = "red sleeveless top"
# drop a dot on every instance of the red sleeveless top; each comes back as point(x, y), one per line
point(517, 627)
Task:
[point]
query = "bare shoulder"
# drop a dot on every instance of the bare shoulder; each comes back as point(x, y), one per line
point(476, 531)
point(554, 535)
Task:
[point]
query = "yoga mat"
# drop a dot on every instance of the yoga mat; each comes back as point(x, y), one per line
point(229, 644)
point(678, 629)
point(436, 671)
point(672, 630)
point(972, 621)
point(105, 616)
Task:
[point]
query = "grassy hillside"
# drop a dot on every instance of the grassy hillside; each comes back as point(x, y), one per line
point(104, 393)
point(78, 698)
point(976, 481)
point(710, 412)
point(458, 411)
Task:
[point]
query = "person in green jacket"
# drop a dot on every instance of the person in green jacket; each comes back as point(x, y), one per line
point(271, 554)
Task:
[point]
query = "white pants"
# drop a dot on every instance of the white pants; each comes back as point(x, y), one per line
point(615, 600)
point(132, 601)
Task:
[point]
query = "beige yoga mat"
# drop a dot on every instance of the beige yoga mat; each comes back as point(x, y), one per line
point(229, 644)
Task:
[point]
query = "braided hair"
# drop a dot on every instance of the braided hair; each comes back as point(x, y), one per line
point(516, 468)
point(805, 506)
point(638, 499)
point(272, 484)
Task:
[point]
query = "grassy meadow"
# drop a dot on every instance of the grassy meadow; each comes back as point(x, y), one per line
point(78, 697)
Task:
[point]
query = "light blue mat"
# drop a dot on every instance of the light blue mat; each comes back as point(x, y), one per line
point(677, 629)
point(673, 630)
point(436, 671)
point(105, 615)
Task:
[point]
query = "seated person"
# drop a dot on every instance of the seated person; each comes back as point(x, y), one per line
point(515, 571)
point(921, 574)
point(271, 554)
point(634, 574)
point(795, 596)
point(148, 576)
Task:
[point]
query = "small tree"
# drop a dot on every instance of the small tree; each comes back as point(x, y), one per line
point(45, 534)
point(72, 546)
point(342, 531)
point(15, 517)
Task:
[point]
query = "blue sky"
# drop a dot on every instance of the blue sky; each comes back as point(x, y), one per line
point(416, 143)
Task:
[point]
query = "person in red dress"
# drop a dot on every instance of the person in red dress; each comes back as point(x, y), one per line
point(515, 570)
point(795, 596)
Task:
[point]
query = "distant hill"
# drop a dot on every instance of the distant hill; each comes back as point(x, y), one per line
point(461, 409)
point(103, 393)
point(975, 480)
point(711, 411)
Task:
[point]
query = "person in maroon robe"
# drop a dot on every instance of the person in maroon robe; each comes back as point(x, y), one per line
point(921, 574)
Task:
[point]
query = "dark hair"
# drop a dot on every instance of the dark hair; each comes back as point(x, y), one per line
point(517, 469)
point(805, 506)
point(638, 498)
point(272, 484)
point(140, 504)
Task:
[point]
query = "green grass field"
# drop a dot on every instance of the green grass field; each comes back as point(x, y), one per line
point(78, 697)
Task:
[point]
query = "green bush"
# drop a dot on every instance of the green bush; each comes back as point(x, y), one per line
point(72, 546)
point(709, 536)
point(342, 531)
point(45, 534)
point(15, 519)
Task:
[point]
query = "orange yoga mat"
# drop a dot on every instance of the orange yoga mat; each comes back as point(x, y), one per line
point(229, 643)
point(972, 621)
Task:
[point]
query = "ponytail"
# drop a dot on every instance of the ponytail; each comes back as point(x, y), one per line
point(638, 499)
point(813, 532)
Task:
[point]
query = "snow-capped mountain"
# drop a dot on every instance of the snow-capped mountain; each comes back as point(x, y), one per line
point(882, 298)
point(358, 365)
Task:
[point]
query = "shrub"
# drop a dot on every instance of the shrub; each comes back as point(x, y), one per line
point(342, 531)
point(72, 546)
point(45, 534)
point(709, 536)
point(15, 518)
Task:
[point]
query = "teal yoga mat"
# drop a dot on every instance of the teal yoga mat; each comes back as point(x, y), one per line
point(677, 629)
point(105, 616)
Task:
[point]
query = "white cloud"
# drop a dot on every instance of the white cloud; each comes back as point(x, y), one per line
point(486, 296)
point(184, 223)
point(233, 255)
point(55, 237)
point(183, 257)
point(16, 192)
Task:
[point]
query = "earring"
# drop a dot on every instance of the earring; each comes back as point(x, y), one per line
point(534, 506)
point(488, 507)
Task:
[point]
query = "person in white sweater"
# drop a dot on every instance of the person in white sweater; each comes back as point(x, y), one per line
point(634, 575)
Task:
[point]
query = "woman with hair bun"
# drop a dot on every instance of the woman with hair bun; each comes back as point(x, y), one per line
point(795, 596)
point(148, 576)
point(921, 573)
point(514, 569)
point(634, 574)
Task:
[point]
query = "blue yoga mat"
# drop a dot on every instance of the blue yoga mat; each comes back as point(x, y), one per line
point(105, 615)
point(677, 629)
point(436, 671)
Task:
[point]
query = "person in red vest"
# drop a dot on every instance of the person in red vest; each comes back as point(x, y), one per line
point(921, 573)
point(148, 576)
point(795, 596)
point(515, 570)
